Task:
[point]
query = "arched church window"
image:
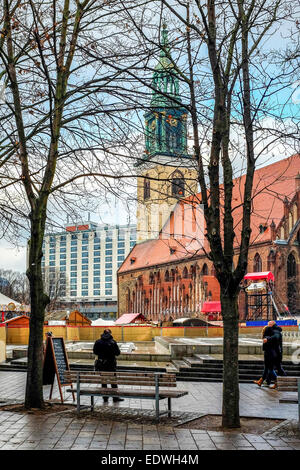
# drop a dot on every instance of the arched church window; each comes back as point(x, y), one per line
point(205, 270)
point(291, 266)
point(271, 260)
point(257, 264)
point(178, 188)
point(146, 188)
point(185, 273)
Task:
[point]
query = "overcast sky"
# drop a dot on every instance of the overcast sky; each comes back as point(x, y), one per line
point(15, 258)
point(12, 257)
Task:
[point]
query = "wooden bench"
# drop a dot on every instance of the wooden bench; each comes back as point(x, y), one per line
point(148, 385)
point(290, 385)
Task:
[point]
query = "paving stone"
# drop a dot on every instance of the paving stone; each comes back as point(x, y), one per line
point(206, 446)
point(99, 446)
point(115, 447)
point(152, 447)
point(133, 447)
point(262, 446)
point(132, 425)
point(283, 448)
point(134, 437)
point(224, 446)
point(79, 448)
point(245, 448)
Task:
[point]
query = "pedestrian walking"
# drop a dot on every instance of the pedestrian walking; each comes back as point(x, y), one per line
point(278, 346)
point(270, 357)
point(106, 348)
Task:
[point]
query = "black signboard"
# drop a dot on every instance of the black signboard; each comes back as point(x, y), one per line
point(55, 363)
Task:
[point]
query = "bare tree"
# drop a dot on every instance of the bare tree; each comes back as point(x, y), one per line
point(62, 126)
point(55, 284)
point(225, 66)
point(76, 75)
point(14, 284)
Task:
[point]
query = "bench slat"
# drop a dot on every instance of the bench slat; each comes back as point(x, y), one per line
point(107, 379)
point(131, 393)
point(133, 374)
point(90, 376)
point(167, 380)
point(113, 377)
point(119, 372)
point(125, 382)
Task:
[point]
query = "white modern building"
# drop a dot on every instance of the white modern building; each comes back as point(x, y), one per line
point(80, 263)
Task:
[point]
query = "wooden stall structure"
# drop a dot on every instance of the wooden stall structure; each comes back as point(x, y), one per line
point(259, 291)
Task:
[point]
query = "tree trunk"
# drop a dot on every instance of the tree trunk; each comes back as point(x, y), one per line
point(39, 300)
point(229, 305)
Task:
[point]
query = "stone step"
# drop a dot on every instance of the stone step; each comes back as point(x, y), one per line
point(179, 364)
point(14, 368)
point(198, 379)
point(192, 361)
point(191, 373)
point(207, 379)
point(242, 372)
point(207, 358)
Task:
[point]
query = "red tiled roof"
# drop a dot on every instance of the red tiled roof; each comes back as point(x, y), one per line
point(271, 184)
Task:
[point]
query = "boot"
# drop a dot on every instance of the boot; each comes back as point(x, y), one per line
point(259, 382)
point(273, 387)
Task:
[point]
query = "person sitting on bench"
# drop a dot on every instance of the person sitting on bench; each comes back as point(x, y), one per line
point(106, 348)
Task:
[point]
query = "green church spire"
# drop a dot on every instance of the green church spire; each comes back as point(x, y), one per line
point(166, 120)
point(165, 81)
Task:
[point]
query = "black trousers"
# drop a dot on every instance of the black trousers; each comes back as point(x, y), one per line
point(269, 364)
point(278, 366)
point(99, 366)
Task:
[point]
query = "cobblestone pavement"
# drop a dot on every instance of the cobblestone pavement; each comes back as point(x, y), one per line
point(60, 431)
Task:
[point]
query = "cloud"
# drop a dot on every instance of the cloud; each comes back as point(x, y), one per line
point(12, 257)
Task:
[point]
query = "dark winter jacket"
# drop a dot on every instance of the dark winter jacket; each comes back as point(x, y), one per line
point(106, 349)
point(278, 340)
point(270, 347)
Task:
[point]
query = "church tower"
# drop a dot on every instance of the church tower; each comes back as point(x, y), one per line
point(166, 172)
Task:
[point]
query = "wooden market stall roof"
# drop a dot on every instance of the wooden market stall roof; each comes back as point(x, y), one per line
point(20, 321)
point(211, 307)
point(74, 318)
point(268, 275)
point(129, 318)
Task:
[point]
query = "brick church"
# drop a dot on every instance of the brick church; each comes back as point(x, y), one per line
point(167, 274)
